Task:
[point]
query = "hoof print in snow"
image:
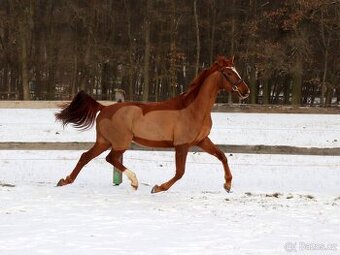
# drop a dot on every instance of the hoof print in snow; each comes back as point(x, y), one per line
point(7, 185)
point(309, 197)
point(276, 195)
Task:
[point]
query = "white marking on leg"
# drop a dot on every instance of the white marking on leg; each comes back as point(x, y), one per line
point(132, 177)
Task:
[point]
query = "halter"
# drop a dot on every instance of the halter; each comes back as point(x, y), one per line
point(234, 85)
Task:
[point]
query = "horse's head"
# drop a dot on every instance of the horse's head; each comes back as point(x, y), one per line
point(232, 81)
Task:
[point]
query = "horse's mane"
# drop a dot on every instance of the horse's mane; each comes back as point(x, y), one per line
point(195, 85)
point(186, 98)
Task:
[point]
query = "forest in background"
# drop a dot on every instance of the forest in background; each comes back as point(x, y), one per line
point(287, 51)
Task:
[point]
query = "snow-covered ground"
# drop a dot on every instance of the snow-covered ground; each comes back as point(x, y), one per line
point(280, 204)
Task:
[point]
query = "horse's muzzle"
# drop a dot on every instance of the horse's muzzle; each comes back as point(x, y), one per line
point(241, 94)
point(246, 95)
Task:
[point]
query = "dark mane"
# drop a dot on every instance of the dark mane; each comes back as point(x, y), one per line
point(185, 99)
point(195, 86)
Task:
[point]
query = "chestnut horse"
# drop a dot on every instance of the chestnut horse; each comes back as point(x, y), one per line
point(180, 122)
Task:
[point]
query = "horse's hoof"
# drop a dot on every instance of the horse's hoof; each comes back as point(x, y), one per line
point(227, 187)
point(155, 189)
point(135, 187)
point(61, 182)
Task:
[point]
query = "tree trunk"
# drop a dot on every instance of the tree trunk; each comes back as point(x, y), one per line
point(6, 48)
point(266, 92)
point(105, 79)
point(75, 75)
point(23, 30)
point(130, 51)
point(147, 53)
point(253, 85)
point(172, 71)
point(24, 71)
point(232, 32)
point(286, 89)
point(324, 87)
point(232, 41)
point(325, 44)
point(213, 28)
point(52, 53)
point(174, 21)
point(297, 81)
point(198, 47)
point(5, 84)
point(329, 94)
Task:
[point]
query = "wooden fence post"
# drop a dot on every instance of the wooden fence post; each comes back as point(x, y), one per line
point(117, 175)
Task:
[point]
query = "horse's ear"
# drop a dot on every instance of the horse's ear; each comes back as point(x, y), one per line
point(233, 59)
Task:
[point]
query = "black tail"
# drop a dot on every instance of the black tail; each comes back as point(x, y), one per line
point(81, 112)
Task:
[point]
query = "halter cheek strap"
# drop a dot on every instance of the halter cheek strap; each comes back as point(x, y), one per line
point(233, 84)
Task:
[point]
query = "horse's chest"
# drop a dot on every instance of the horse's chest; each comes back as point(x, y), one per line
point(205, 129)
point(197, 130)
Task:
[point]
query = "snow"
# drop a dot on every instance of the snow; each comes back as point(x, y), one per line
point(280, 204)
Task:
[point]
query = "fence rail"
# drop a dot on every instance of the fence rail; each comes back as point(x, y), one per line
point(249, 149)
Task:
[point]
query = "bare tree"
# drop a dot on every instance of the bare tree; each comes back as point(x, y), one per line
point(22, 15)
point(287, 51)
point(198, 44)
point(147, 52)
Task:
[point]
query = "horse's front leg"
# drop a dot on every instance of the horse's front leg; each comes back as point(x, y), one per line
point(208, 146)
point(181, 156)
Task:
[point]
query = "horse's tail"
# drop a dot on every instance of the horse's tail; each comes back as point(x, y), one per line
point(81, 112)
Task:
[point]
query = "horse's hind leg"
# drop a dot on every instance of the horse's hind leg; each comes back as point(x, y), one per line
point(208, 146)
point(114, 158)
point(96, 150)
point(181, 156)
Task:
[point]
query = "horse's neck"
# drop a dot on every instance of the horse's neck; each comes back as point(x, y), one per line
point(206, 97)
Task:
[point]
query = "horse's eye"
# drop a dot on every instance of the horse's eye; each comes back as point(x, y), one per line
point(229, 73)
